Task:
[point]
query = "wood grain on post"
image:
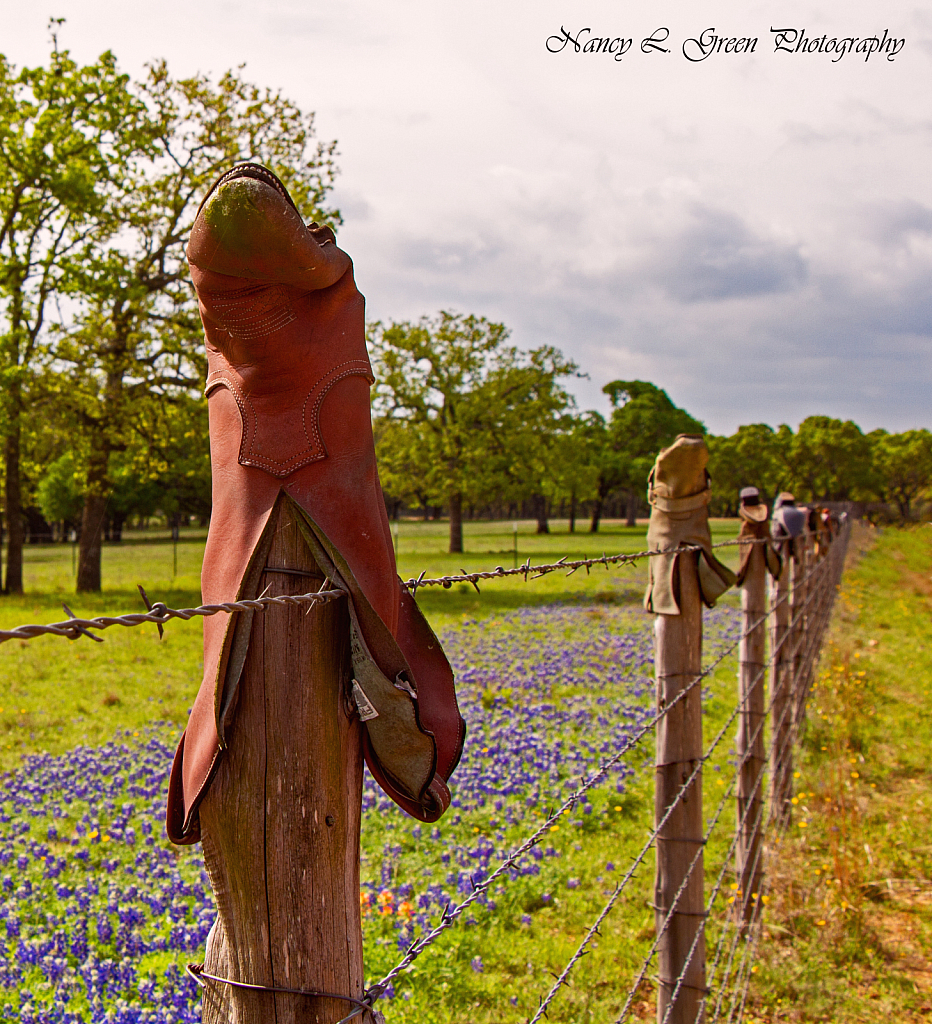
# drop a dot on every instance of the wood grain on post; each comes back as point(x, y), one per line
point(750, 739)
point(823, 581)
point(817, 611)
point(781, 664)
point(799, 561)
point(678, 661)
point(281, 819)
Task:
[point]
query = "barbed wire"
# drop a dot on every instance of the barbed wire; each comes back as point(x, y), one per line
point(159, 613)
point(449, 916)
point(534, 572)
point(817, 568)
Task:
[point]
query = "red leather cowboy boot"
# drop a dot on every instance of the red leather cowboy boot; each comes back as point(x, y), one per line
point(288, 399)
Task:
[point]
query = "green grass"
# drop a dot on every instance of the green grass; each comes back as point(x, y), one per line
point(55, 694)
point(848, 930)
point(849, 926)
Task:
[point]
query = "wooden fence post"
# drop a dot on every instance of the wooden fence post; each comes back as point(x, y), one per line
point(820, 582)
point(800, 613)
point(750, 738)
point(678, 661)
point(280, 822)
point(781, 752)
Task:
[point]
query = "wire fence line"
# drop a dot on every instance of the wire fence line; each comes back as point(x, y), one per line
point(797, 649)
point(159, 613)
point(829, 571)
point(680, 795)
point(729, 790)
point(753, 930)
point(815, 571)
point(451, 914)
point(750, 930)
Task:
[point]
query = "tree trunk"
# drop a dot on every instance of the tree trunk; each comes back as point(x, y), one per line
point(117, 522)
point(596, 515)
point(456, 523)
point(632, 509)
point(540, 512)
point(13, 584)
point(92, 520)
point(573, 512)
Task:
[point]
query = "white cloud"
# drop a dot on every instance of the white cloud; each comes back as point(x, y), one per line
point(753, 233)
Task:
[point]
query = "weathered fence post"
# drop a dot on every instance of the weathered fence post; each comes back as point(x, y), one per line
point(677, 585)
point(268, 773)
point(781, 753)
point(800, 613)
point(788, 524)
point(751, 683)
point(678, 661)
point(280, 822)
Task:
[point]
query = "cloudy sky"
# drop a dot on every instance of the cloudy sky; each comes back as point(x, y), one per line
point(751, 231)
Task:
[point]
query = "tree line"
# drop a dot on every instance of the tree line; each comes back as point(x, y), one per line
point(102, 365)
point(101, 356)
point(464, 420)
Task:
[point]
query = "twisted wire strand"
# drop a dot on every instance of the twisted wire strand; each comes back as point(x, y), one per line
point(159, 613)
point(534, 572)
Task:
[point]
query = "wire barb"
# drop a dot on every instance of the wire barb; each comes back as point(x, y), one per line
point(148, 604)
point(80, 630)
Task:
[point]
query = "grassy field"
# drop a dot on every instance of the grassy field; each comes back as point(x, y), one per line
point(55, 694)
point(553, 675)
point(548, 692)
point(849, 926)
